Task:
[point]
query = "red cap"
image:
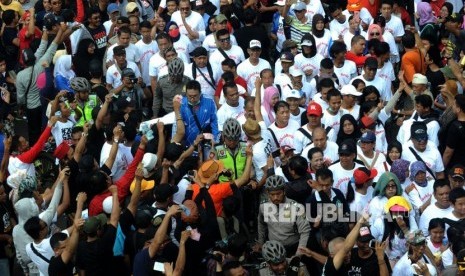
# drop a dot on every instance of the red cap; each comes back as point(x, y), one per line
point(26, 14)
point(61, 151)
point(363, 175)
point(314, 109)
point(367, 121)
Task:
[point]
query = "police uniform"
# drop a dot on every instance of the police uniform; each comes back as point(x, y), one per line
point(232, 161)
point(86, 110)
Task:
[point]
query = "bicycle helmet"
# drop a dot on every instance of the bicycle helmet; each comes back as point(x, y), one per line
point(176, 67)
point(275, 182)
point(80, 84)
point(274, 252)
point(232, 129)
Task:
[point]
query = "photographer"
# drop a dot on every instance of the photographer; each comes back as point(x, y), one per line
point(130, 87)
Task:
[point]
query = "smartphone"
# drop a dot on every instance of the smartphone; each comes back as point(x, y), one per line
point(191, 173)
point(159, 267)
point(372, 244)
point(276, 153)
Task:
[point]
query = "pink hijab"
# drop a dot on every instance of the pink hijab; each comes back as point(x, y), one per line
point(377, 29)
point(270, 92)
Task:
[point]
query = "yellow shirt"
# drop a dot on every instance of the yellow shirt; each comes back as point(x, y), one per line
point(14, 5)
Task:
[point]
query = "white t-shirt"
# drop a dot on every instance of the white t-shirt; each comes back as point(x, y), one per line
point(183, 46)
point(342, 176)
point(379, 83)
point(333, 121)
point(195, 21)
point(113, 75)
point(146, 52)
point(261, 151)
point(354, 111)
point(132, 53)
point(389, 39)
point(322, 43)
point(158, 67)
point(180, 195)
point(301, 140)
point(337, 28)
point(62, 132)
point(404, 266)
point(347, 72)
point(250, 72)
point(210, 43)
point(235, 53)
point(285, 135)
point(298, 118)
point(420, 195)
point(207, 90)
point(348, 37)
point(314, 7)
point(122, 160)
point(330, 154)
point(433, 128)
point(361, 202)
point(317, 98)
point(431, 212)
point(395, 26)
point(313, 63)
point(430, 156)
point(378, 164)
point(107, 24)
point(226, 111)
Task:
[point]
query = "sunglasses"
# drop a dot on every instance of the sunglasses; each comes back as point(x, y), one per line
point(226, 39)
point(374, 34)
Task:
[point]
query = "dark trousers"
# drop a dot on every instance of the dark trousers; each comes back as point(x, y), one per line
point(34, 124)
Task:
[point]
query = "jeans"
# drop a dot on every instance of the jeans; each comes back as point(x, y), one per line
point(4, 267)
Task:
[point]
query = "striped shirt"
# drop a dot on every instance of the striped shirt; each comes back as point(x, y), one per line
point(298, 29)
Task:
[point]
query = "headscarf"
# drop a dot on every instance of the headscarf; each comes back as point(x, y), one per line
point(317, 33)
point(375, 27)
point(82, 58)
point(415, 168)
point(270, 92)
point(27, 186)
point(425, 13)
point(63, 67)
point(399, 167)
point(174, 33)
point(341, 135)
point(383, 181)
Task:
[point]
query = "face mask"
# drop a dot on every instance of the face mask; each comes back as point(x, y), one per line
point(174, 32)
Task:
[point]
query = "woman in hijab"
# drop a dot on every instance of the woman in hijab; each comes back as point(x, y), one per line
point(321, 34)
point(181, 42)
point(63, 73)
point(419, 191)
point(270, 98)
point(375, 31)
point(427, 22)
point(84, 54)
point(349, 129)
point(400, 168)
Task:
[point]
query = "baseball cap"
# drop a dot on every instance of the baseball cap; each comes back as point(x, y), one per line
point(371, 63)
point(315, 109)
point(347, 147)
point(368, 137)
point(419, 79)
point(457, 171)
point(397, 203)
point(209, 168)
point(288, 44)
point(255, 44)
point(198, 4)
point(295, 72)
point(119, 50)
point(349, 89)
point(94, 223)
point(149, 161)
point(286, 148)
point(252, 129)
point(113, 7)
point(144, 186)
point(362, 175)
point(61, 151)
point(163, 191)
point(286, 57)
point(306, 42)
point(288, 93)
point(367, 122)
point(365, 234)
point(124, 102)
point(418, 131)
point(25, 15)
point(220, 18)
point(199, 52)
point(122, 20)
point(353, 5)
point(300, 6)
point(128, 72)
point(416, 237)
point(131, 6)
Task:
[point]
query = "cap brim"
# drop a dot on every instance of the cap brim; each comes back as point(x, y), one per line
point(306, 44)
point(398, 208)
point(458, 176)
point(365, 238)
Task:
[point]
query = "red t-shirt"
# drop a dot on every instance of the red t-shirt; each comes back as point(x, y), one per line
point(239, 81)
point(359, 60)
point(25, 42)
point(218, 192)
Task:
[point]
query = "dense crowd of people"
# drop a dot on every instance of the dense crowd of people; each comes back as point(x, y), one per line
point(169, 137)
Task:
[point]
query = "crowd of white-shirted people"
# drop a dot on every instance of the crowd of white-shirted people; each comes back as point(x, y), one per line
point(232, 137)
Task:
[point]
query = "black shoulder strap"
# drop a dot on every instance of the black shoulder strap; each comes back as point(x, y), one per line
point(197, 122)
point(274, 137)
point(418, 157)
point(29, 85)
point(279, 90)
point(223, 53)
point(38, 254)
point(304, 132)
point(210, 72)
point(328, 129)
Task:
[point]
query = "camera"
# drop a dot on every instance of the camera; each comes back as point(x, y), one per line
point(133, 80)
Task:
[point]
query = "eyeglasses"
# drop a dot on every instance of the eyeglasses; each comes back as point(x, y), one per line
point(391, 187)
point(192, 96)
point(226, 39)
point(372, 34)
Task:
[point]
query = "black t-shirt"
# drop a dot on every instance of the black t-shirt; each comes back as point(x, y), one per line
point(58, 268)
point(95, 257)
point(100, 37)
point(454, 141)
point(266, 17)
point(329, 269)
point(11, 50)
point(368, 266)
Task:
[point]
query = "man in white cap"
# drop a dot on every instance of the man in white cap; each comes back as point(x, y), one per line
point(349, 100)
point(250, 68)
point(292, 97)
point(419, 86)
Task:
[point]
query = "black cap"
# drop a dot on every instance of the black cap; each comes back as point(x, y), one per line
point(365, 234)
point(199, 52)
point(419, 131)
point(371, 63)
point(124, 102)
point(163, 191)
point(173, 151)
point(122, 20)
point(119, 50)
point(347, 147)
point(128, 72)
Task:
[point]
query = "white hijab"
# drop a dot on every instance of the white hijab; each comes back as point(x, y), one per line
point(63, 67)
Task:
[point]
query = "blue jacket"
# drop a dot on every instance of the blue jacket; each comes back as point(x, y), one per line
point(206, 113)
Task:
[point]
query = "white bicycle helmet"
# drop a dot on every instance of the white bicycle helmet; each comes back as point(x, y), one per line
point(232, 129)
point(274, 252)
point(80, 84)
point(176, 67)
point(275, 182)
